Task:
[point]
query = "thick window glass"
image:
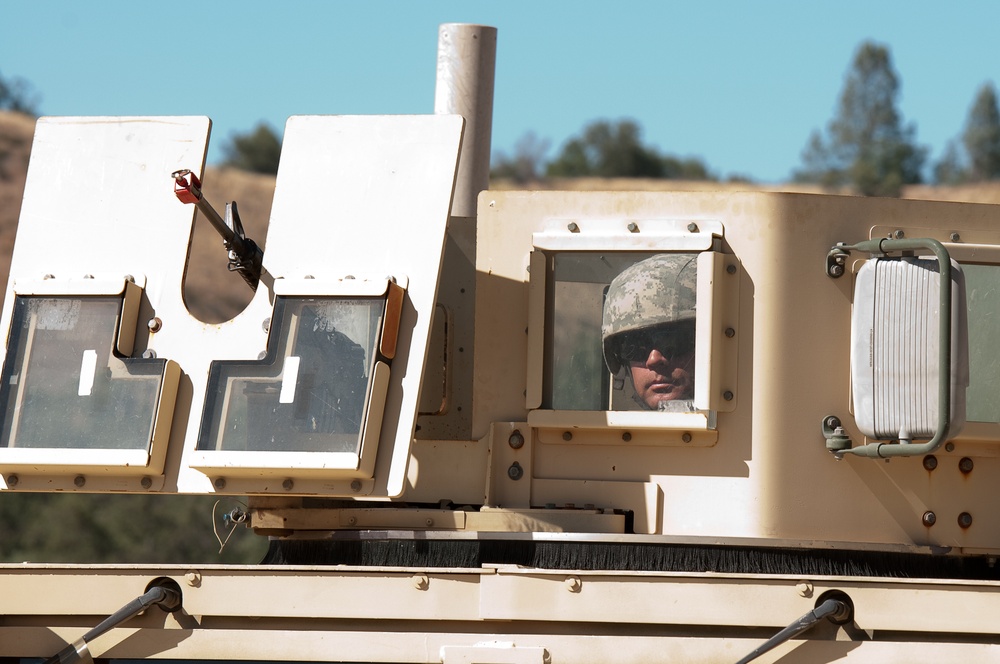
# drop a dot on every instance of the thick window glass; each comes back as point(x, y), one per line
point(622, 331)
point(982, 293)
point(309, 393)
point(63, 385)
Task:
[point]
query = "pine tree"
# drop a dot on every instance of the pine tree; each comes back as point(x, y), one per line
point(982, 136)
point(866, 146)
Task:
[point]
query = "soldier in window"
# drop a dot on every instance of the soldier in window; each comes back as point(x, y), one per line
point(648, 330)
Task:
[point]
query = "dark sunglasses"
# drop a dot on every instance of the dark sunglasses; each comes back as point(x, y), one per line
point(670, 342)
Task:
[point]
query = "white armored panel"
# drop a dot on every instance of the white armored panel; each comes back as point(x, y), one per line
point(895, 349)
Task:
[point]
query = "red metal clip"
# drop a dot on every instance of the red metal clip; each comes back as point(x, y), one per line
point(187, 186)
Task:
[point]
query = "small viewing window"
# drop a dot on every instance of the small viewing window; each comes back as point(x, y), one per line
point(70, 394)
point(982, 288)
point(623, 331)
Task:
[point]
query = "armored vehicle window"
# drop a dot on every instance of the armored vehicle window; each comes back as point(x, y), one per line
point(623, 333)
point(65, 387)
point(309, 393)
point(982, 284)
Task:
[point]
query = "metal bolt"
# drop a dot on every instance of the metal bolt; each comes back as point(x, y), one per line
point(831, 422)
point(929, 518)
point(12, 481)
point(421, 582)
point(955, 237)
point(965, 465)
point(129, 278)
point(429, 522)
point(930, 462)
point(352, 521)
point(693, 227)
point(730, 332)
point(573, 584)
point(836, 270)
point(727, 395)
point(573, 227)
point(220, 483)
point(898, 234)
point(261, 355)
point(804, 588)
point(515, 472)
point(964, 520)
point(627, 436)
point(731, 269)
point(633, 227)
point(355, 485)
point(266, 325)
point(79, 480)
point(146, 482)
point(287, 485)
point(49, 276)
point(567, 435)
point(149, 354)
point(516, 440)
point(686, 437)
point(193, 578)
point(154, 324)
point(949, 447)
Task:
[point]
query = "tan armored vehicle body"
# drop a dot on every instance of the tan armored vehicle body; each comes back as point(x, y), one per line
point(523, 427)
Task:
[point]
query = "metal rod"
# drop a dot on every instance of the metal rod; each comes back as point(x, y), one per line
point(831, 608)
point(466, 65)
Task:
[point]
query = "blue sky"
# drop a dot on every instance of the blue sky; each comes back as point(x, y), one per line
point(739, 84)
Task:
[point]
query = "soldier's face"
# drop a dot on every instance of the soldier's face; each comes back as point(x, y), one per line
point(661, 361)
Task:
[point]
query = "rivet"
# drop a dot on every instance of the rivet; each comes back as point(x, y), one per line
point(129, 278)
point(49, 276)
point(930, 462)
point(898, 234)
point(149, 354)
point(146, 482)
point(88, 276)
point(573, 584)
point(573, 227)
point(964, 520)
point(429, 522)
point(929, 518)
point(693, 227)
point(261, 355)
point(355, 485)
point(727, 395)
point(515, 472)
point(12, 480)
point(804, 588)
point(949, 447)
point(730, 332)
point(80, 480)
point(731, 269)
point(193, 578)
point(516, 440)
point(627, 436)
point(966, 465)
point(686, 437)
point(421, 581)
point(352, 521)
point(154, 324)
point(955, 237)
point(266, 325)
point(287, 485)
point(567, 435)
point(633, 227)
point(220, 483)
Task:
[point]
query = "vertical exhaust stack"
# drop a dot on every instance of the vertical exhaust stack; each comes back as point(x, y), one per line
point(465, 73)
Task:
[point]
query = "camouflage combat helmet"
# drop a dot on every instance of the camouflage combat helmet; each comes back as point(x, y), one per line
point(658, 290)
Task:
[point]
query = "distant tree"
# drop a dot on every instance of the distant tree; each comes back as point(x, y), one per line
point(982, 136)
point(610, 150)
point(527, 162)
point(867, 146)
point(950, 169)
point(258, 151)
point(17, 95)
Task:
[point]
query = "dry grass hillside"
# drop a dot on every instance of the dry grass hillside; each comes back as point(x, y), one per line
point(214, 294)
